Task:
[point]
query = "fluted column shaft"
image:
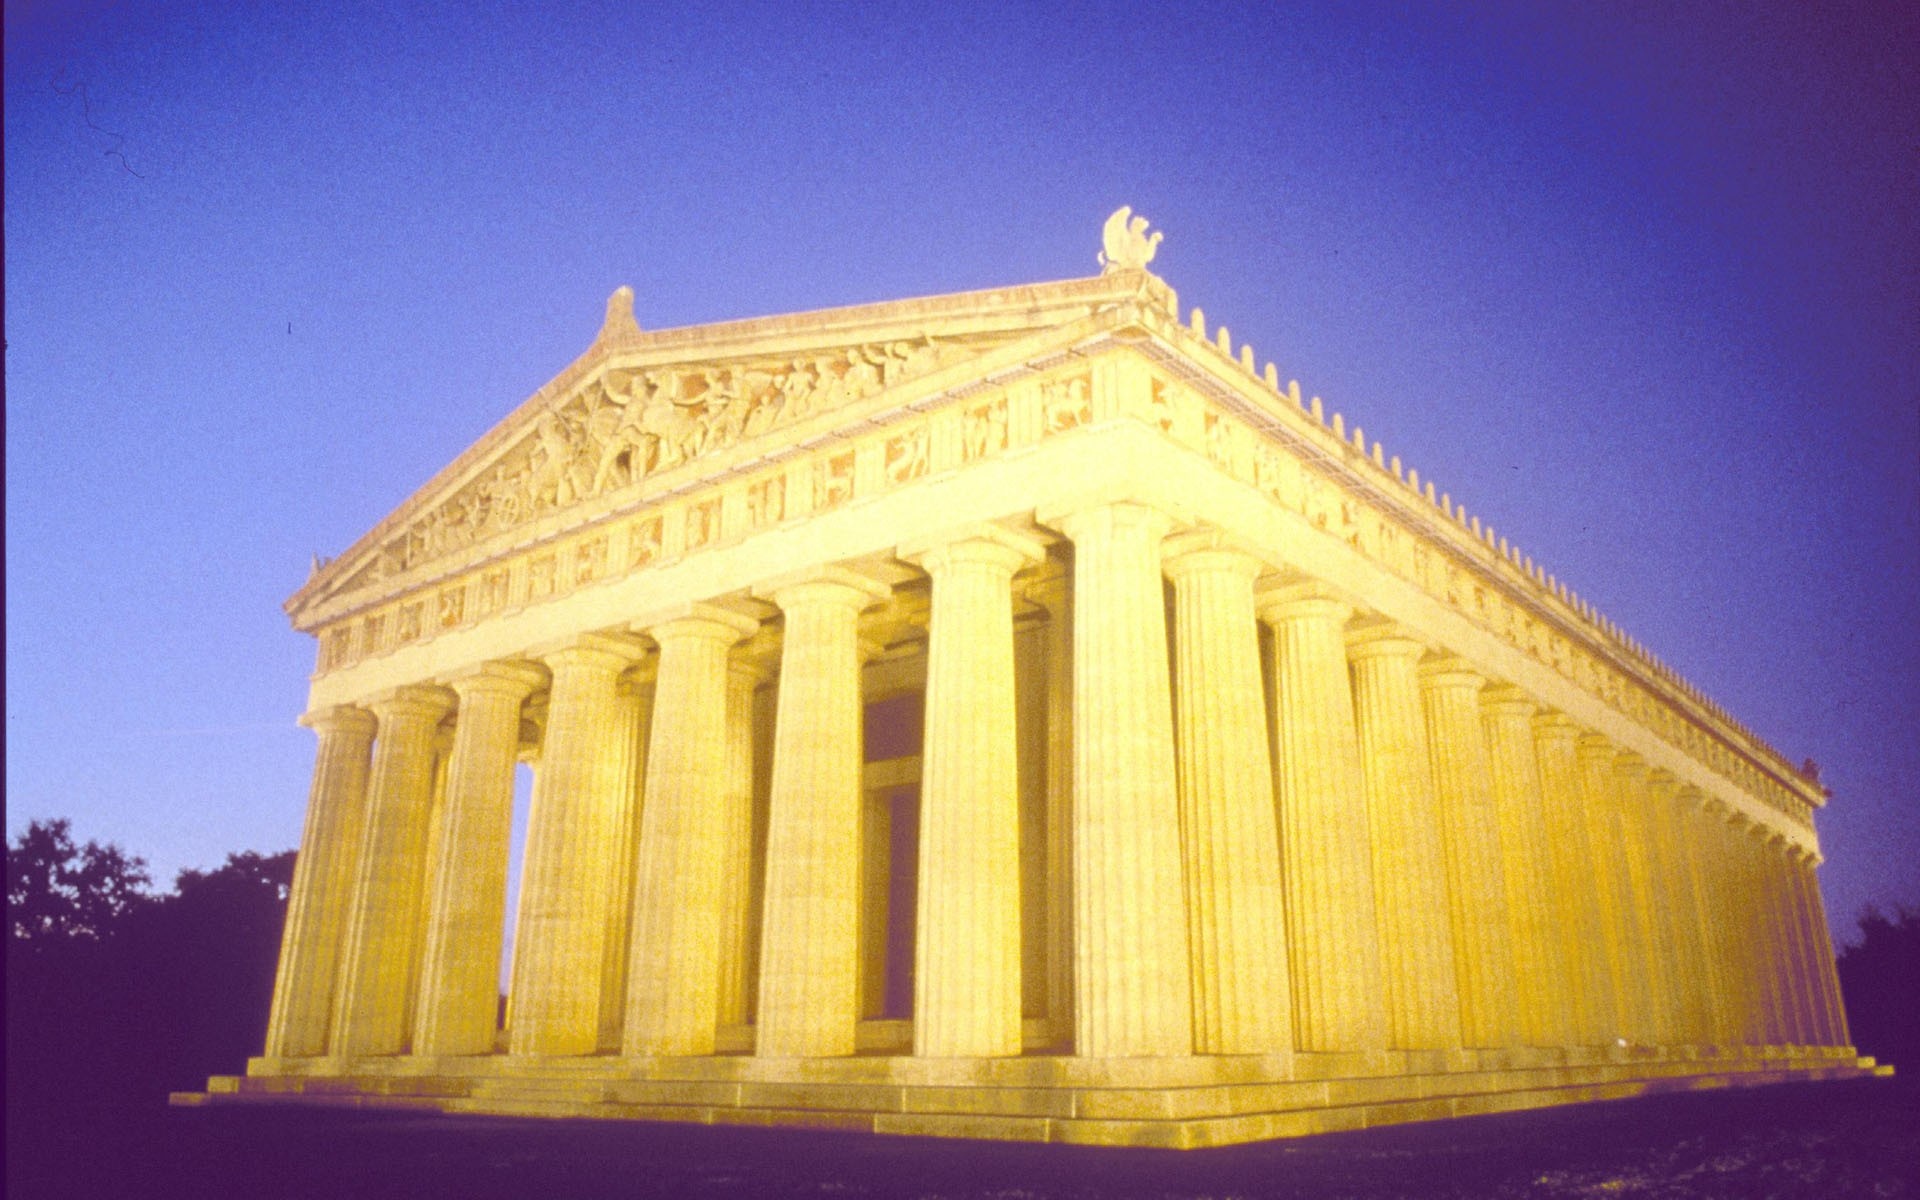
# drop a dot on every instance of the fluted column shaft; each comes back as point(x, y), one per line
point(1794, 959)
point(809, 956)
point(673, 984)
point(1835, 1024)
point(1470, 828)
point(1540, 982)
point(1758, 947)
point(1326, 859)
point(632, 721)
point(1619, 928)
point(1732, 936)
point(967, 977)
point(1575, 867)
point(1131, 956)
point(1696, 831)
point(572, 858)
point(1674, 926)
point(1231, 844)
point(380, 957)
point(1645, 903)
point(736, 860)
point(467, 908)
point(1409, 858)
point(323, 880)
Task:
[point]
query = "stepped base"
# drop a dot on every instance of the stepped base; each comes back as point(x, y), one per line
point(1178, 1103)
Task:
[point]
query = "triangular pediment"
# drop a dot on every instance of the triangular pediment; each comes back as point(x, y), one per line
point(644, 415)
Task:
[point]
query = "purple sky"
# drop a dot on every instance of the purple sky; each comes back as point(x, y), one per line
point(1640, 289)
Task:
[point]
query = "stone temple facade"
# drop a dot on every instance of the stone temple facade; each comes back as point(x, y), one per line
point(1008, 715)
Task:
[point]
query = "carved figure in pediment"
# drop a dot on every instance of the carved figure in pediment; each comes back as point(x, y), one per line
point(799, 388)
point(558, 478)
point(863, 377)
point(670, 420)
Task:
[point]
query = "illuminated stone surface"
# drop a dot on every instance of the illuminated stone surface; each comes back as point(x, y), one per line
point(1258, 791)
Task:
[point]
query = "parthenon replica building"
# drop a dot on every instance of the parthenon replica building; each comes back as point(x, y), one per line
point(1016, 715)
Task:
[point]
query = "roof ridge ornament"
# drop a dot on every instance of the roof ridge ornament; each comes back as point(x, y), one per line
point(1128, 246)
point(619, 325)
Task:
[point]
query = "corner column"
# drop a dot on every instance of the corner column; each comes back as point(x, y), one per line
point(809, 956)
point(466, 914)
point(323, 880)
point(573, 854)
point(1131, 974)
point(1230, 840)
point(967, 977)
point(380, 956)
point(1403, 820)
point(1326, 860)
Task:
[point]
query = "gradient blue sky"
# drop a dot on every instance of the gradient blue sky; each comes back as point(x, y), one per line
point(1639, 284)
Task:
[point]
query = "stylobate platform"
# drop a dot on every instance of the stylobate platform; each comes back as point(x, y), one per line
point(1182, 1103)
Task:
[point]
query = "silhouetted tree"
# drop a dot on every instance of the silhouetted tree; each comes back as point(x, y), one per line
point(58, 892)
point(1880, 979)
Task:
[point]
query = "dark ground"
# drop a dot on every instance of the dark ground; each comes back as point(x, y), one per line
point(1859, 1138)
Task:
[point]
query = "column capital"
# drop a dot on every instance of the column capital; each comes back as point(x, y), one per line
point(1078, 517)
point(1310, 598)
point(705, 622)
point(980, 542)
point(824, 585)
point(1596, 746)
point(607, 651)
point(1630, 763)
point(1450, 670)
point(1663, 779)
point(410, 700)
point(1381, 638)
point(506, 678)
point(1554, 725)
point(1209, 549)
point(346, 718)
point(1507, 699)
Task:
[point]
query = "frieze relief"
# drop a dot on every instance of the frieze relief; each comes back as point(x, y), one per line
point(626, 426)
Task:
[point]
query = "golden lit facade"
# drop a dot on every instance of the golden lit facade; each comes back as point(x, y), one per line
point(1008, 715)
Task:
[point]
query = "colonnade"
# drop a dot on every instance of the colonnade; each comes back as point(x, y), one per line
point(1332, 836)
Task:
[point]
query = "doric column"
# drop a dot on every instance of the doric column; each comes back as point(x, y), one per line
point(1326, 860)
point(1540, 983)
point(1578, 916)
point(1409, 857)
point(1470, 828)
point(323, 881)
point(381, 955)
point(1757, 949)
point(1732, 934)
point(966, 981)
point(809, 951)
point(673, 980)
point(569, 883)
point(632, 722)
point(467, 909)
point(1698, 828)
point(1131, 960)
point(1834, 1027)
point(1619, 928)
point(1059, 784)
point(1654, 962)
point(1792, 966)
point(736, 860)
point(1232, 848)
point(1676, 927)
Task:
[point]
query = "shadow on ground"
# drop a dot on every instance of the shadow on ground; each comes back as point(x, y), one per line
point(1859, 1138)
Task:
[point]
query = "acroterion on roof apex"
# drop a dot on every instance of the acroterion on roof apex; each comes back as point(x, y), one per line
point(1128, 246)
